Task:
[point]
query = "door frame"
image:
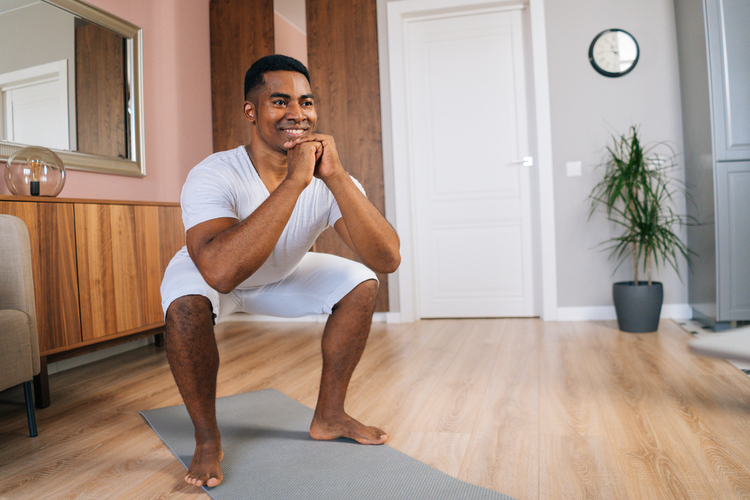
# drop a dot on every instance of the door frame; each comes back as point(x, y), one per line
point(393, 17)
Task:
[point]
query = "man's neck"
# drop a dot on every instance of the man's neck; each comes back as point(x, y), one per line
point(270, 165)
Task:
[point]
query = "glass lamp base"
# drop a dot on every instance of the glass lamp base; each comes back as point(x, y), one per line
point(34, 171)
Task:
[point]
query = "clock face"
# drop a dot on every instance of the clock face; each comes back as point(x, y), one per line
point(614, 52)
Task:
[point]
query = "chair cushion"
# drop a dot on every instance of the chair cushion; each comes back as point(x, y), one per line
point(16, 363)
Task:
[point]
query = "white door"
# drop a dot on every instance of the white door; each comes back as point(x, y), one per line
point(35, 106)
point(467, 121)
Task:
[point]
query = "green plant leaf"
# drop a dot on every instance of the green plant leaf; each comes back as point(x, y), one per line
point(637, 195)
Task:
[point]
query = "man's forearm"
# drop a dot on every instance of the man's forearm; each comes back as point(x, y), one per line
point(236, 253)
point(374, 240)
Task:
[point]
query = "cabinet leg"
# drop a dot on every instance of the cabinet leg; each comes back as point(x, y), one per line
point(159, 340)
point(41, 385)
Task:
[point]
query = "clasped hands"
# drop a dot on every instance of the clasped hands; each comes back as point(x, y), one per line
point(313, 155)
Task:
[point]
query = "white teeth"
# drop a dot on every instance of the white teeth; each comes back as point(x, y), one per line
point(294, 131)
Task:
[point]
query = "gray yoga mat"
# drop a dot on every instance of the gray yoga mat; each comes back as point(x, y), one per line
point(269, 454)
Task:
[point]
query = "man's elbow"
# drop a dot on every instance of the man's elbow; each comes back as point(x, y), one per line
point(389, 265)
point(222, 288)
point(218, 281)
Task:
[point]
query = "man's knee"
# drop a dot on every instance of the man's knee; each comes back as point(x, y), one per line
point(189, 309)
point(364, 294)
point(371, 287)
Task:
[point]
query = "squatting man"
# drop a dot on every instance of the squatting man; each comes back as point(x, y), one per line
point(251, 214)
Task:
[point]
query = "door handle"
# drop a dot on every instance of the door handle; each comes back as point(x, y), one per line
point(526, 161)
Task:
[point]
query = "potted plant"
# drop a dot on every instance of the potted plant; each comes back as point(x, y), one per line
point(637, 195)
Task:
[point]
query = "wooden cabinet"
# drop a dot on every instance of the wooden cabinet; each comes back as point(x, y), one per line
point(97, 270)
point(53, 255)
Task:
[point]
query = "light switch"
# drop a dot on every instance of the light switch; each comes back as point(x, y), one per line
point(574, 168)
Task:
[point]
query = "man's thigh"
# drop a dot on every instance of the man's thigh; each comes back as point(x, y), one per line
point(182, 278)
point(318, 283)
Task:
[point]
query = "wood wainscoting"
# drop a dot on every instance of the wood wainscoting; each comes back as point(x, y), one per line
point(97, 271)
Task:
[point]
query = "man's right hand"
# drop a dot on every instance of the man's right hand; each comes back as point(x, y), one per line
point(302, 160)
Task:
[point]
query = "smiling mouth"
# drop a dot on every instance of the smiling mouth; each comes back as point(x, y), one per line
point(294, 132)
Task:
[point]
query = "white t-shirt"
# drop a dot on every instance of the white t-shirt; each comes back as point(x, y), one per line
point(226, 184)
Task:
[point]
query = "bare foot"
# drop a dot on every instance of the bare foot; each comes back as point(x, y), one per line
point(205, 468)
point(333, 427)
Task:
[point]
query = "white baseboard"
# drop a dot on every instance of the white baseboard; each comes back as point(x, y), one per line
point(378, 317)
point(600, 313)
point(593, 313)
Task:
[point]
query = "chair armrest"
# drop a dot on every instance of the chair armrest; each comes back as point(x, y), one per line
point(18, 363)
point(17, 279)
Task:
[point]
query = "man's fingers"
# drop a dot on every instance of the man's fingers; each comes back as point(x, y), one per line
point(308, 138)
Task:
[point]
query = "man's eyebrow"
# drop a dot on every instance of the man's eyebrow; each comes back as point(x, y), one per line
point(287, 96)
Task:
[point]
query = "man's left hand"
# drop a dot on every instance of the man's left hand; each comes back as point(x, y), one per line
point(328, 164)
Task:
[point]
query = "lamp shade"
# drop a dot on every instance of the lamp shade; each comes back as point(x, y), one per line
point(35, 171)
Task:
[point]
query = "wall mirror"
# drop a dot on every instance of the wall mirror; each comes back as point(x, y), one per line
point(71, 80)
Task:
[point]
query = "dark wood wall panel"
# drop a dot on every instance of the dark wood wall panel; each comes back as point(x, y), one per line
point(342, 47)
point(342, 55)
point(241, 32)
point(101, 115)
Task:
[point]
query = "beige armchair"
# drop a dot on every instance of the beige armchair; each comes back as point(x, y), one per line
point(19, 344)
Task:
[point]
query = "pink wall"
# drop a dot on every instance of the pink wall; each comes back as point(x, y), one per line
point(177, 101)
point(288, 39)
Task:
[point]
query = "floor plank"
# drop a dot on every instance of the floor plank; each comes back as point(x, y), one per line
point(654, 462)
point(503, 452)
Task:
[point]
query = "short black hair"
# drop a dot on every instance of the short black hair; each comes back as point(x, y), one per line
point(276, 62)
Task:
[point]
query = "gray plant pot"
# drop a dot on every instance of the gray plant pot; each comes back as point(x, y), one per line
point(638, 306)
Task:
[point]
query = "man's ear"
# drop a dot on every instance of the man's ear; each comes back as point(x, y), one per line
point(249, 110)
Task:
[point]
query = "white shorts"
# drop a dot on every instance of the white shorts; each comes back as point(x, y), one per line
point(317, 284)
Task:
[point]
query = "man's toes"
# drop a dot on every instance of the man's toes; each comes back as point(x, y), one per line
point(202, 480)
point(373, 436)
point(379, 439)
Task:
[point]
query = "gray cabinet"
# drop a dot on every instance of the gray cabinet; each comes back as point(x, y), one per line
point(714, 52)
point(727, 23)
point(733, 235)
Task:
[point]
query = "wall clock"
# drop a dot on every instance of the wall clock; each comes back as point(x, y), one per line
point(614, 53)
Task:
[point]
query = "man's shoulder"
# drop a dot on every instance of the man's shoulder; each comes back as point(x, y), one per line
point(228, 158)
point(219, 162)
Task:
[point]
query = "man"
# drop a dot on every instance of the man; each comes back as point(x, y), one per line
point(251, 215)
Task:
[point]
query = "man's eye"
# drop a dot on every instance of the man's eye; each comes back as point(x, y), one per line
point(307, 104)
point(279, 102)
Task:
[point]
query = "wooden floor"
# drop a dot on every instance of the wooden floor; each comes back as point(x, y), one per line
point(532, 409)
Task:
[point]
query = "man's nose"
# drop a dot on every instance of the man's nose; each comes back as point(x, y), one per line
point(294, 111)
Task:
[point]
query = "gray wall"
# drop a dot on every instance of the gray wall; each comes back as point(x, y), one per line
point(699, 158)
point(20, 30)
point(586, 109)
point(40, 34)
